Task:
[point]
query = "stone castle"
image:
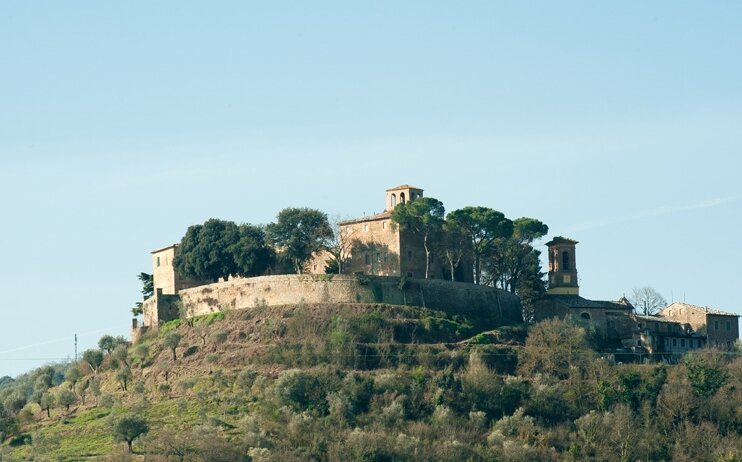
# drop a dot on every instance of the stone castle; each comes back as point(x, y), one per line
point(392, 263)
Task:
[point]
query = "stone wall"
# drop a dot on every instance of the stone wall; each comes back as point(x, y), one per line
point(243, 293)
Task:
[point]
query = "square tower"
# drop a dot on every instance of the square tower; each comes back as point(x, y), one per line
point(400, 195)
point(562, 267)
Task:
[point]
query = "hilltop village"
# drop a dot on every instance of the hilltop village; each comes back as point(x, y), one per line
point(396, 259)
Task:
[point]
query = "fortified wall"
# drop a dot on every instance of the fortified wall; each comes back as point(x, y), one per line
point(245, 293)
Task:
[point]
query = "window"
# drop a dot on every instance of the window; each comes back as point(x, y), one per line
point(674, 342)
point(586, 316)
point(386, 257)
point(365, 227)
point(401, 198)
point(409, 275)
point(565, 261)
point(716, 325)
point(383, 225)
point(158, 262)
point(378, 257)
point(367, 259)
point(669, 327)
point(638, 343)
point(667, 341)
point(409, 254)
point(682, 342)
point(729, 326)
point(394, 200)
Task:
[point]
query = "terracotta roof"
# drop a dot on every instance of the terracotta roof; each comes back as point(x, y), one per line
point(404, 186)
point(164, 248)
point(701, 308)
point(379, 216)
point(560, 240)
point(575, 301)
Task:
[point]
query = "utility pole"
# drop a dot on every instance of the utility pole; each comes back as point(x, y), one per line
point(75, 347)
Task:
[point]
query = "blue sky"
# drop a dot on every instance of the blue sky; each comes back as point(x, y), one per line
point(617, 124)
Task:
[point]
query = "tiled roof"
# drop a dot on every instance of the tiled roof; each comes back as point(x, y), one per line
point(561, 240)
point(655, 319)
point(404, 186)
point(164, 248)
point(575, 301)
point(379, 216)
point(701, 308)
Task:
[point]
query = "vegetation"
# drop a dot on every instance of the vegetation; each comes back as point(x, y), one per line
point(299, 233)
point(373, 382)
point(422, 217)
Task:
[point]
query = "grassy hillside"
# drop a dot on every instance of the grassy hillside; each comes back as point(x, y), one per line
point(376, 383)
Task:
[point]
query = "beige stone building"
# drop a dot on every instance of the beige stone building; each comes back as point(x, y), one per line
point(377, 247)
point(720, 328)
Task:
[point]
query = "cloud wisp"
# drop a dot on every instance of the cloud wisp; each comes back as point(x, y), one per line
point(652, 213)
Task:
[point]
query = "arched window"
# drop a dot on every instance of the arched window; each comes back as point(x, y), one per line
point(394, 200)
point(566, 265)
point(401, 198)
point(585, 316)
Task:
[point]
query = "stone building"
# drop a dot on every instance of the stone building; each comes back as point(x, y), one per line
point(609, 318)
point(720, 328)
point(664, 337)
point(377, 247)
point(164, 276)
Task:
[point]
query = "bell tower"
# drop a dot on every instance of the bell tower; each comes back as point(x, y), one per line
point(400, 195)
point(562, 267)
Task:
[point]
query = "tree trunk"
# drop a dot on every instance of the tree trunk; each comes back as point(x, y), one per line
point(128, 444)
point(174, 357)
point(427, 257)
point(476, 269)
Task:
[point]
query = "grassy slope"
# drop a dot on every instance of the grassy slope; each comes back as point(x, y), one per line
point(369, 338)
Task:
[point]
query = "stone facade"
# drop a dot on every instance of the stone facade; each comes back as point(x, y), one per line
point(164, 275)
point(610, 319)
point(245, 293)
point(664, 337)
point(720, 328)
point(378, 247)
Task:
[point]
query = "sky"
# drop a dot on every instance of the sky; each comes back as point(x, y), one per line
point(618, 124)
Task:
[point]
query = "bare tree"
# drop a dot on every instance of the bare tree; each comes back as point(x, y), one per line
point(647, 301)
point(341, 245)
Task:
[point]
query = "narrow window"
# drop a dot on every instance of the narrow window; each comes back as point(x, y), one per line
point(401, 198)
point(394, 200)
point(367, 259)
point(409, 254)
point(669, 327)
point(386, 257)
point(674, 342)
point(667, 341)
point(378, 257)
point(682, 342)
point(638, 343)
point(716, 325)
point(365, 227)
point(158, 262)
point(383, 225)
point(729, 326)
point(565, 261)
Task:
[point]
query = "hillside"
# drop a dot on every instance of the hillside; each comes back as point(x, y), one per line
point(377, 383)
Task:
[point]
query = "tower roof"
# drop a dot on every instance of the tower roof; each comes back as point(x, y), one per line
point(561, 240)
point(404, 186)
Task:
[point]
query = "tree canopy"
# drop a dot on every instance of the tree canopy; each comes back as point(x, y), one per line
point(483, 226)
point(299, 233)
point(220, 248)
point(422, 217)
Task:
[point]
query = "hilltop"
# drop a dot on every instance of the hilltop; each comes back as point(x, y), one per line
point(379, 382)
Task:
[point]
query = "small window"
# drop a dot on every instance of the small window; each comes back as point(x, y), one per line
point(729, 326)
point(682, 342)
point(586, 317)
point(667, 341)
point(158, 262)
point(639, 342)
point(566, 264)
point(674, 342)
point(386, 257)
point(394, 200)
point(409, 254)
point(409, 275)
point(365, 227)
point(383, 225)
point(402, 198)
point(669, 327)
point(314, 267)
point(367, 258)
point(378, 257)
point(716, 325)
